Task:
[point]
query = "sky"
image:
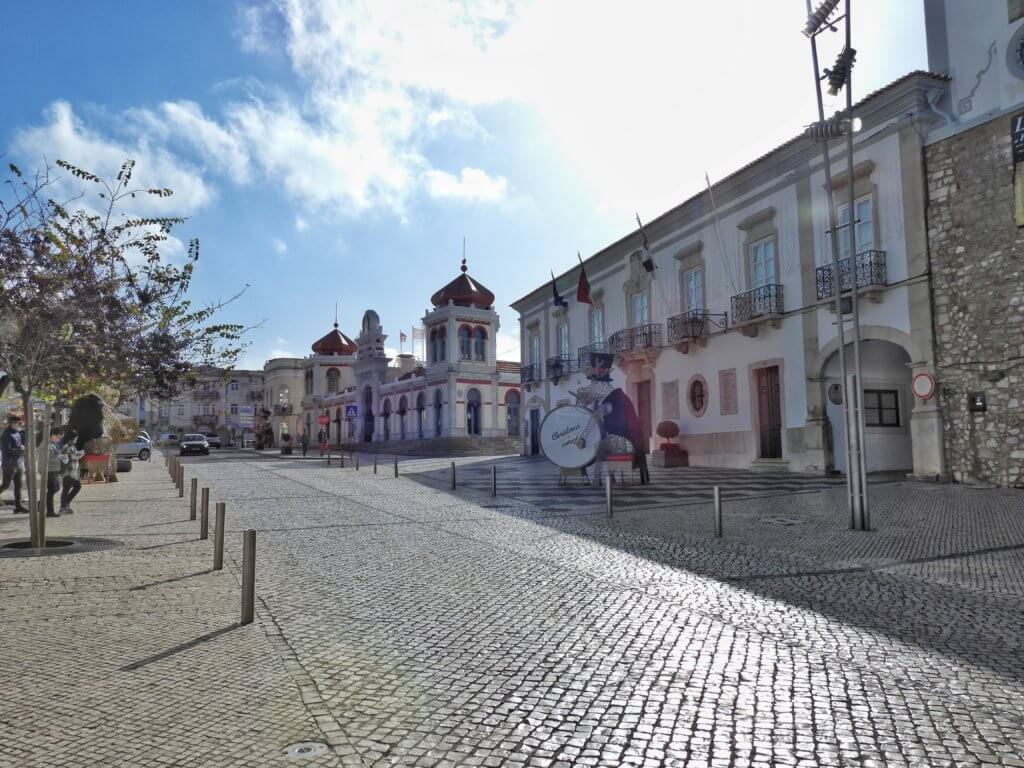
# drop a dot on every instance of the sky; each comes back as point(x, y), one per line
point(337, 152)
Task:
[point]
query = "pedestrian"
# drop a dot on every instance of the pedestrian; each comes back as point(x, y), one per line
point(70, 457)
point(321, 438)
point(12, 450)
point(304, 441)
point(53, 470)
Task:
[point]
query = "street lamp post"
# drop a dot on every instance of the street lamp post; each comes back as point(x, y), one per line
point(856, 470)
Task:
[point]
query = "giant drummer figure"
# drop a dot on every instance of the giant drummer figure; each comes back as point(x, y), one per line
point(602, 420)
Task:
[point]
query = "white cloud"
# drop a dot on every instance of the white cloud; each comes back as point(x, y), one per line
point(301, 225)
point(63, 136)
point(472, 185)
point(280, 246)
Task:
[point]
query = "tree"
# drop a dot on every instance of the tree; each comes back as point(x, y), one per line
point(87, 299)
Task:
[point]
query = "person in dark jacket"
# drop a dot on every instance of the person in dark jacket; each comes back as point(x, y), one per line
point(304, 440)
point(12, 454)
point(53, 470)
point(70, 457)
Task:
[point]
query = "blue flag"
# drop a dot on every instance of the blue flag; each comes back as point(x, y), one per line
point(559, 301)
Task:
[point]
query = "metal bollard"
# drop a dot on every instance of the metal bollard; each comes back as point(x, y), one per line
point(453, 475)
point(375, 463)
point(396, 466)
point(328, 458)
point(608, 492)
point(193, 490)
point(218, 537)
point(718, 511)
point(494, 480)
point(341, 460)
point(181, 481)
point(248, 576)
point(204, 524)
point(204, 502)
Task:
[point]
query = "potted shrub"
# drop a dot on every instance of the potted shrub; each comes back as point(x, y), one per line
point(669, 454)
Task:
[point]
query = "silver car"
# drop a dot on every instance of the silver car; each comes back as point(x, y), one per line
point(139, 448)
point(194, 444)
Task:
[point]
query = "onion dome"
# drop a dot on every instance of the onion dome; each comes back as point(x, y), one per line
point(463, 291)
point(334, 343)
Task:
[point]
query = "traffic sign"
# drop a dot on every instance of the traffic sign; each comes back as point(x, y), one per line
point(322, 419)
point(351, 411)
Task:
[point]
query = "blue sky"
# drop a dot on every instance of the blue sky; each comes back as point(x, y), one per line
point(338, 151)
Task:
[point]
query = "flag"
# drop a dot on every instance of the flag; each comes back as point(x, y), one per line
point(559, 301)
point(402, 337)
point(643, 235)
point(417, 333)
point(583, 287)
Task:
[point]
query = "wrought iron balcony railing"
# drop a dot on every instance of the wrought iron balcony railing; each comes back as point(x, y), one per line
point(583, 354)
point(530, 373)
point(559, 366)
point(764, 301)
point(689, 325)
point(282, 410)
point(206, 395)
point(870, 273)
point(634, 339)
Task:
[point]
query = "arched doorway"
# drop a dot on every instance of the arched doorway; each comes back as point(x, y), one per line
point(887, 403)
point(367, 414)
point(437, 412)
point(512, 413)
point(403, 406)
point(420, 405)
point(473, 412)
point(386, 418)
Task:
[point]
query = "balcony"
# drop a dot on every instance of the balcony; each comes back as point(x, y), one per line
point(687, 327)
point(530, 374)
point(763, 304)
point(206, 395)
point(638, 339)
point(870, 275)
point(558, 367)
point(583, 354)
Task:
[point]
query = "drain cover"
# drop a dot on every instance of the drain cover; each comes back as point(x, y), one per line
point(24, 548)
point(306, 749)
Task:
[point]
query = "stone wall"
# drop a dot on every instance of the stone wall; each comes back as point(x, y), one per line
point(977, 262)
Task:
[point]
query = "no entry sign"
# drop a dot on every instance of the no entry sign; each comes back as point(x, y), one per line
point(322, 419)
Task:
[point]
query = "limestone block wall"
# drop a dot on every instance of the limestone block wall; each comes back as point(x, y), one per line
point(977, 261)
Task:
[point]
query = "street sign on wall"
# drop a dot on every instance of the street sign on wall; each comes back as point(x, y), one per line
point(351, 411)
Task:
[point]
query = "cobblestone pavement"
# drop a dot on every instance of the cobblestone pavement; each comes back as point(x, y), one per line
point(431, 628)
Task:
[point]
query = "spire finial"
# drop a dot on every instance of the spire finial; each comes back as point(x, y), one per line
point(464, 268)
point(335, 314)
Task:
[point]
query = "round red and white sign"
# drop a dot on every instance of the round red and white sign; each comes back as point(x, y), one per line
point(322, 419)
point(923, 385)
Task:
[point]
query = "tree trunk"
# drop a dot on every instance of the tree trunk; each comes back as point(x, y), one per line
point(44, 473)
point(30, 468)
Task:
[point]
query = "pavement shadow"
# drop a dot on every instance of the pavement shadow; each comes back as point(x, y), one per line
point(178, 648)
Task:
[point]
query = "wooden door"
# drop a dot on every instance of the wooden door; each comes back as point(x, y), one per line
point(643, 407)
point(769, 412)
point(534, 431)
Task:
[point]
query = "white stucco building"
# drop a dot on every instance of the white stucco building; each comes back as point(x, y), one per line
point(281, 398)
point(729, 329)
point(461, 391)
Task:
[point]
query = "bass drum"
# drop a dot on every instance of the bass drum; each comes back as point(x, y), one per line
point(569, 436)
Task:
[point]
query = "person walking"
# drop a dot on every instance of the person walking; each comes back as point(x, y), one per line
point(12, 450)
point(70, 457)
point(53, 470)
point(304, 442)
point(322, 439)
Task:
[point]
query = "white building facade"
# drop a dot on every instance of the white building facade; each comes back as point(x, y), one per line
point(460, 391)
point(727, 325)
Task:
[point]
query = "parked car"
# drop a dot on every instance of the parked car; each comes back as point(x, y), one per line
point(213, 440)
point(167, 438)
point(140, 448)
point(194, 444)
point(145, 434)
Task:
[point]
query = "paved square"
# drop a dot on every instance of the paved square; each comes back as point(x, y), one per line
point(407, 625)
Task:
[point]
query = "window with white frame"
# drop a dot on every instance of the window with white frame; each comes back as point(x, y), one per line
point(762, 263)
point(597, 324)
point(181, 409)
point(641, 309)
point(535, 350)
point(693, 289)
point(864, 226)
point(563, 339)
point(234, 386)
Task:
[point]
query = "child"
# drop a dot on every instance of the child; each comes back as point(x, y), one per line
point(53, 470)
point(70, 457)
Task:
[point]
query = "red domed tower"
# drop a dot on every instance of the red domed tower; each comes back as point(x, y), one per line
point(464, 291)
point(334, 343)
